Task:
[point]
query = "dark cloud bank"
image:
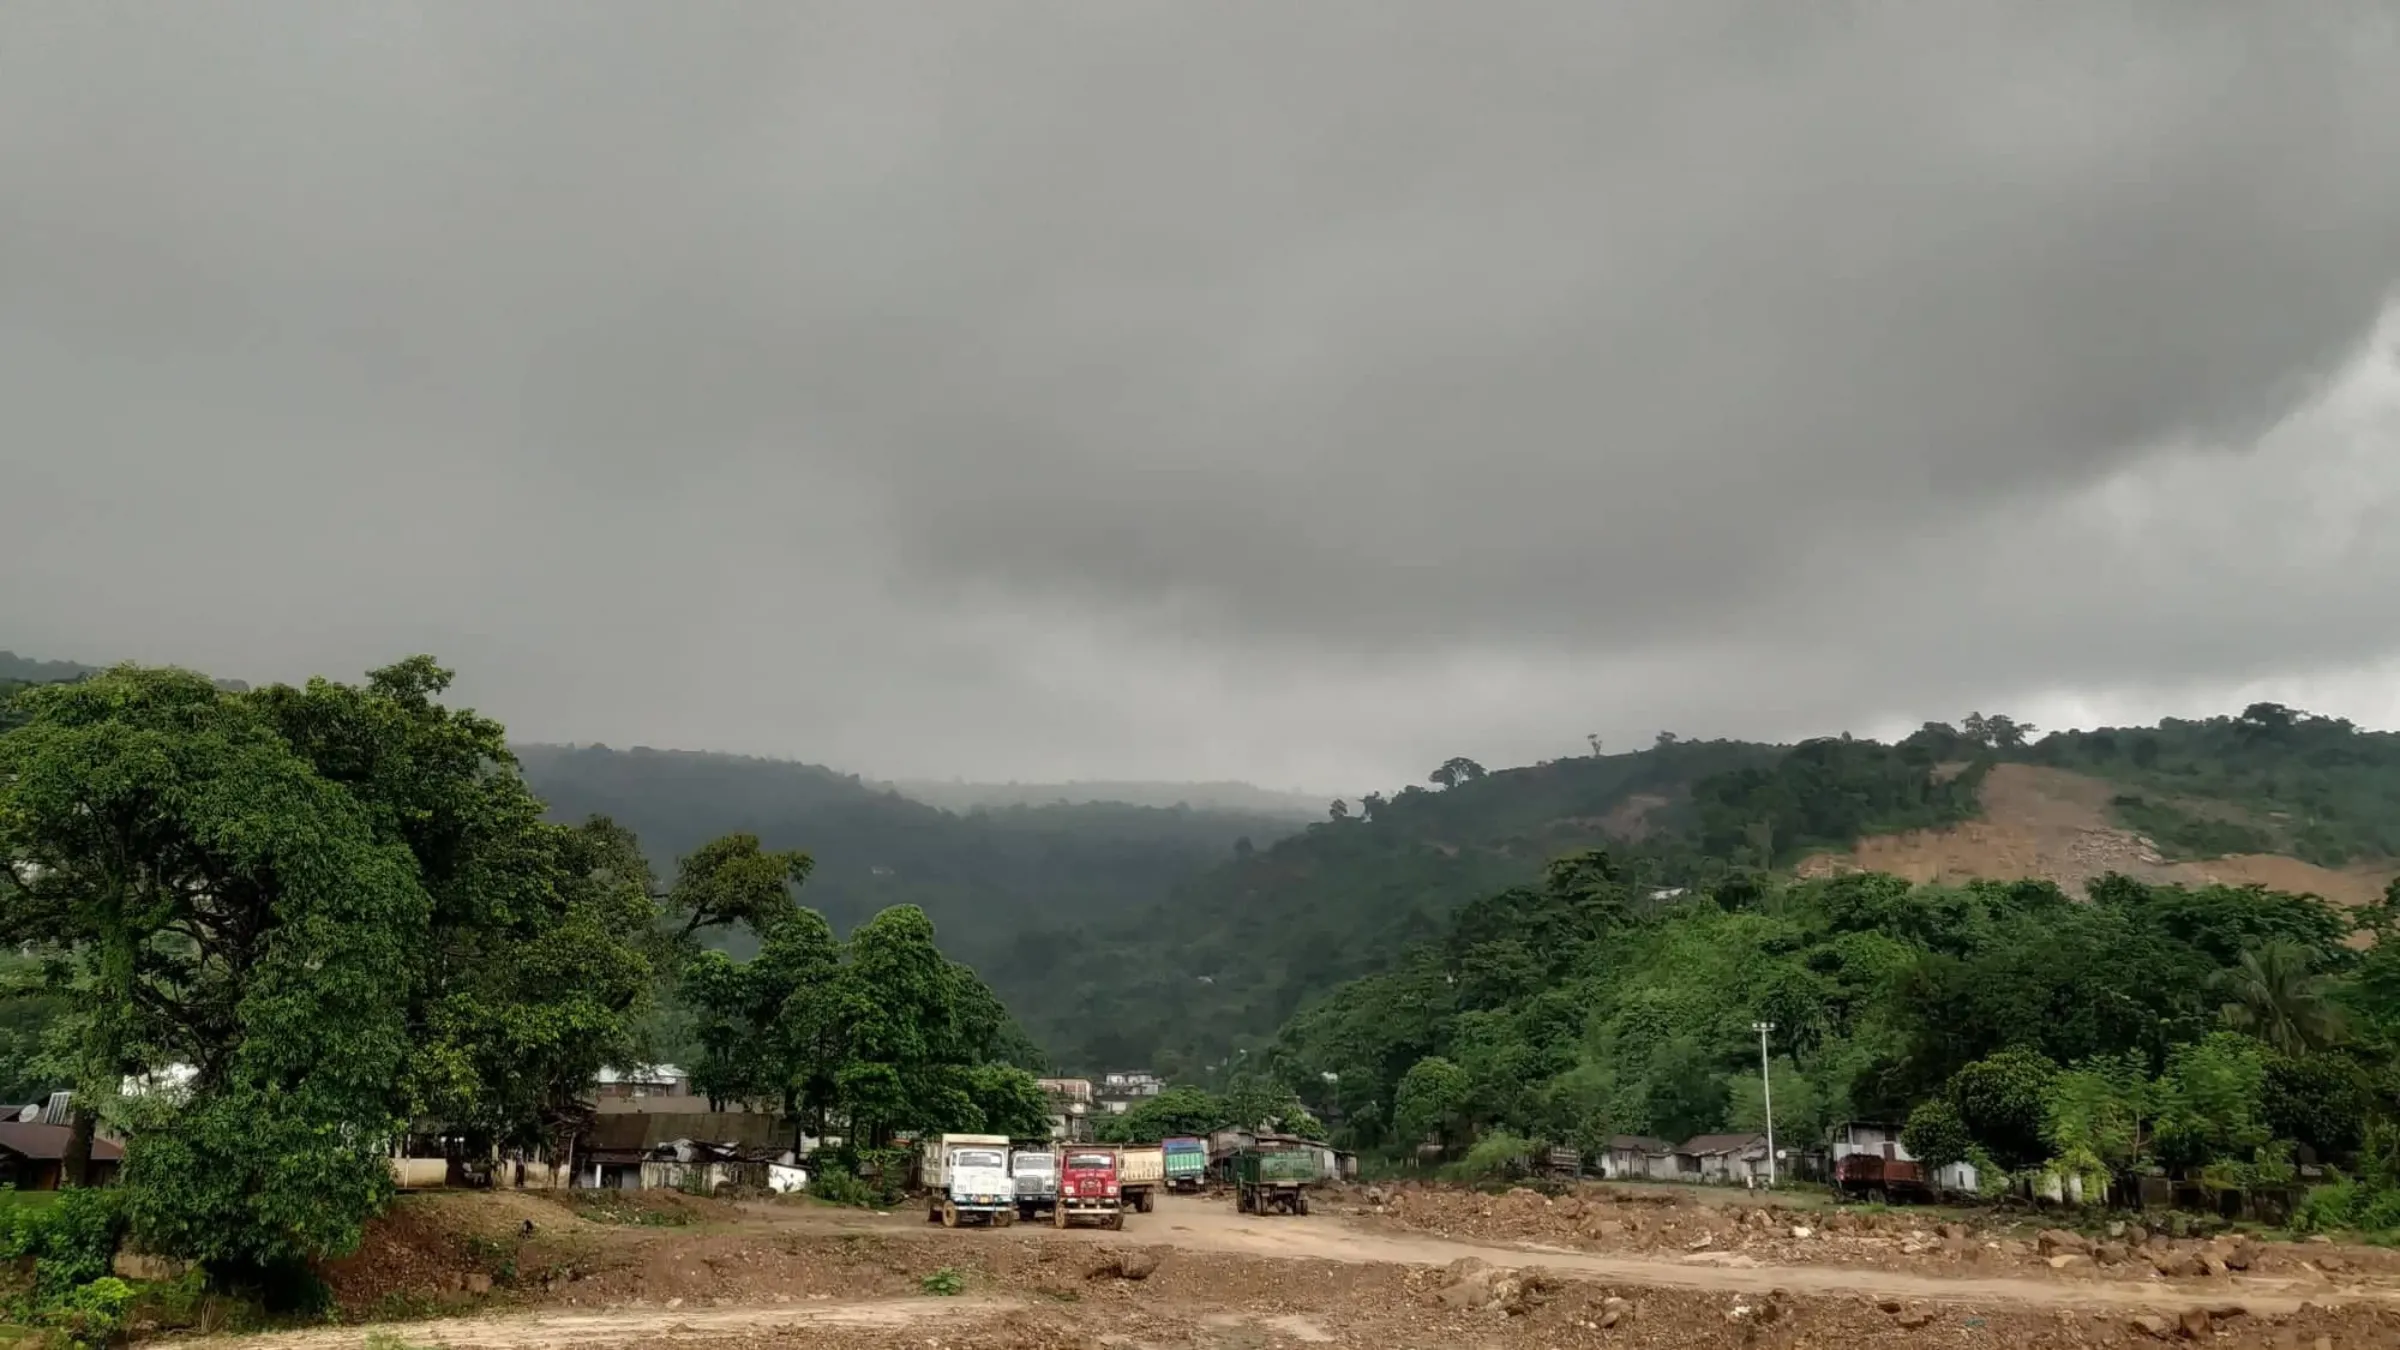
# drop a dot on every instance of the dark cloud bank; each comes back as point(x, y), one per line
point(1297, 392)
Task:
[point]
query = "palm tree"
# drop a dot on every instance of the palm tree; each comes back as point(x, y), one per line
point(2274, 993)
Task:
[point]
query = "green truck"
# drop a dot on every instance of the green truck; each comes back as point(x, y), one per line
point(1274, 1180)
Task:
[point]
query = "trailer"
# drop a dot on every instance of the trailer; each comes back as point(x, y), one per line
point(1275, 1180)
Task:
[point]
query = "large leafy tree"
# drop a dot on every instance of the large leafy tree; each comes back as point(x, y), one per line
point(2274, 992)
point(213, 899)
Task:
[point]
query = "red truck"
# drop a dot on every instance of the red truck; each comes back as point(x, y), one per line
point(1087, 1188)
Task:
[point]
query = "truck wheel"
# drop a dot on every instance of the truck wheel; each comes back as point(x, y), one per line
point(1059, 1216)
point(949, 1215)
point(1241, 1200)
point(1116, 1221)
point(933, 1214)
point(1300, 1205)
point(1149, 1202)
point(1004, 1218)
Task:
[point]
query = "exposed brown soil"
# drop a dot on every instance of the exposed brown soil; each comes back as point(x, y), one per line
point(1196, 1274)
point(2053, 825)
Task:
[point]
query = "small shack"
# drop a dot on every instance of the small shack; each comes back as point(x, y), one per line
point(1737, 1159)
point(1637, 1157)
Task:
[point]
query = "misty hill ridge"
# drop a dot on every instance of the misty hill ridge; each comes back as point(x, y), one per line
point(1225, 795)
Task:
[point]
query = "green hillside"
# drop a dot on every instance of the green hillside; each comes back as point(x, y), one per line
point(2270, 780)
point(1238, 949)
point(1000, 885)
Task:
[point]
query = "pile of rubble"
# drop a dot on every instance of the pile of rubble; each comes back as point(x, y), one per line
point(1670, 1223)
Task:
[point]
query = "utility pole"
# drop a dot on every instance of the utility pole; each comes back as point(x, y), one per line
point(1766, 1089)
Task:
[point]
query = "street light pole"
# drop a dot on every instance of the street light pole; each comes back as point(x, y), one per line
point(1766, 1090)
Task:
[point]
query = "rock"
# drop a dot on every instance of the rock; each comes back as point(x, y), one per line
point(2110, 1253)
point(1611, 1317)
point(2174, 1264)
point(1915, 1248)
point(2194, 1323)
point(1701, 1243)
point(2227, 1312)
point(2331, 1264)
point(1464, 1295)
point(1465, 1268)
point(1889, 1305)
point(2155, 1326)
point(1609, 1228)
point(1375, 1195)
point(1803, 1232)
point(1131, 1263)
point(2069, 1260)
point(2212, 1264)
point(2052, 1241)
point(1951, 1230)
point(479, 1283)
point(1912, 1319)
point(2241, 1255)
point(2116, 1228)
point(2136, 1235)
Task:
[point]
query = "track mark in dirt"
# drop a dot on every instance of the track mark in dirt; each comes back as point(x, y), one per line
point(628, 1326)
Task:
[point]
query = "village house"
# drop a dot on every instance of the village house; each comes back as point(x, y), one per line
point(1736, 1159)
point(633, 1151)
point(1637, 1157)
point(1883, 1163)
point(1120, 1090)
point(32, 1155)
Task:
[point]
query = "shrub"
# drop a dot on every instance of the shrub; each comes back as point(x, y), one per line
point(1496, 1157)
point(91, 1314)
point(71, 1241)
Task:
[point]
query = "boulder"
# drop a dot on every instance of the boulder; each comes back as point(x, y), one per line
point(2154, 1326)
point(1130, 1263)
point(2069, 1260)
point(2052, 1241)
point(2194, 1323)
point(2111, 1253)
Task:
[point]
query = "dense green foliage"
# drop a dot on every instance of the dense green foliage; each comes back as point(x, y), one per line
point(882, 1032)
point(342, 908)
point(2004, 1022)
point(2271, 780)
point(1251, 1103)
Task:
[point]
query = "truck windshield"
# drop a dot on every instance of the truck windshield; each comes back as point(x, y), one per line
point(1091, 1160)
point(1033, 1162)
point(975, 1157)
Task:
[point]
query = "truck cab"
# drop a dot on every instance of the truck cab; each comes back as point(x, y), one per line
point(967, 1177)
point(1035, 1174)
point(1087, 1188)
point(1186, 1163)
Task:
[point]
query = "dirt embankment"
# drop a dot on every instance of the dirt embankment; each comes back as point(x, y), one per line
point(2053, 825)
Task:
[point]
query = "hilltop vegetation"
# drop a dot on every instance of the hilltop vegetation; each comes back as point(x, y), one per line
point(2201, 1028)
point(2270, 780)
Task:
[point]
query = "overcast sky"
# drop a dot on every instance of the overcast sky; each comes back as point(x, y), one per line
point(1294, 392)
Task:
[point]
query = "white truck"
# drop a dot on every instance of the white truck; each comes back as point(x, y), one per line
point(966, 1178)
point(1035, 1172)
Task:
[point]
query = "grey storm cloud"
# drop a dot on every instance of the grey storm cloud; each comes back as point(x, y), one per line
point(1256, 387)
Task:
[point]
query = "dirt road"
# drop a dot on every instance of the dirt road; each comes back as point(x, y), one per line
point(780, 1275)
point(1213, 1226)
point(633, 1326)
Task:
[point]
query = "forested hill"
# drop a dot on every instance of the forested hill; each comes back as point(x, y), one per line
point(1235, 951)
point(1238, 950)
point(1000, 885)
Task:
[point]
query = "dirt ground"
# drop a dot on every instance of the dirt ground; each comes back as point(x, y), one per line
point(2054, 825)
point(1435, 1268)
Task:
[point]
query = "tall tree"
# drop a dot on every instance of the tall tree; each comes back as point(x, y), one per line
point(733, 880)
point(2273, 993)
point(220, 903)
